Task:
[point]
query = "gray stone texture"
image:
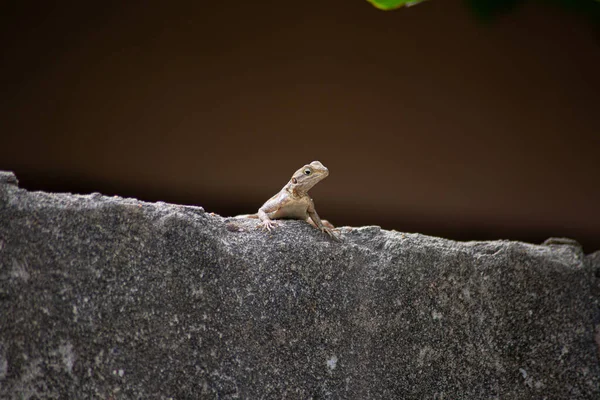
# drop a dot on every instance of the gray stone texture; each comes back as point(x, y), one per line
point(111, 298)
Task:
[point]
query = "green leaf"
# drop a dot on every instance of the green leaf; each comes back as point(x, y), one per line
point(392, 4)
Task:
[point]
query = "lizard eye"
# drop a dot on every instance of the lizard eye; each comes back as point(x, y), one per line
point(307, 172)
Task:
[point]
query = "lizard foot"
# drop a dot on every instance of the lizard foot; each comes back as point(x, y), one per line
point(267, 225)
point(333, 233)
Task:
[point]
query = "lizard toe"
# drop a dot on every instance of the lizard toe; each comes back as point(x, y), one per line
point(267, 225)
point(333, 233)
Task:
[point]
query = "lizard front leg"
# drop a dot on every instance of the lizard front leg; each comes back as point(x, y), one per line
point(267, 223)
point(324, 221)
point(312, 213)
point(270, 206)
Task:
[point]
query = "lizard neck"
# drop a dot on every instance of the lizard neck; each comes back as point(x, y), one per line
point(295, 190)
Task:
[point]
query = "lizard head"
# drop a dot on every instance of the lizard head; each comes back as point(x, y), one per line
point(309, 175)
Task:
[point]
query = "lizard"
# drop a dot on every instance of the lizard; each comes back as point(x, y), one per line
point(293, 201)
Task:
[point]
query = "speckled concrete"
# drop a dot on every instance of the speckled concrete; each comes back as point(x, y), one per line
point(105, 297)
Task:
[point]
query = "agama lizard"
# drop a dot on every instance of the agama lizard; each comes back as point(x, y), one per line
point(293, 202)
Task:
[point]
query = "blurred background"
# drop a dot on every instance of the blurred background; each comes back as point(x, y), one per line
point(430, 119)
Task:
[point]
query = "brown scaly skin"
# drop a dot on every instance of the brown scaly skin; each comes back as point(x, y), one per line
point(293, 201)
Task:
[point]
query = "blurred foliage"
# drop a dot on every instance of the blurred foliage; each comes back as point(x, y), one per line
point(488, 9)
point(392, 4)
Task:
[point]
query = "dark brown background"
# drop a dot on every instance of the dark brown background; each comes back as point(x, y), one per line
point(429, 119)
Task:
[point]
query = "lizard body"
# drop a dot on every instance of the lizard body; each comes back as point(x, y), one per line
point(293, 201)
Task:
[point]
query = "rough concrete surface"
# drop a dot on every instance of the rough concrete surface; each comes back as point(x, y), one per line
point(112, 298)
